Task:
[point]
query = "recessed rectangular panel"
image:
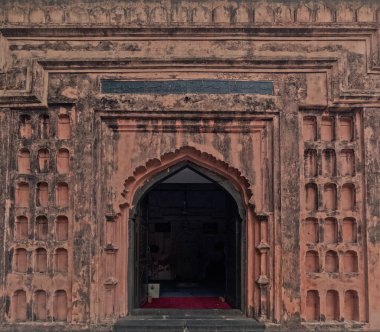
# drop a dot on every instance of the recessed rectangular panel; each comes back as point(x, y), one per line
point(187, 86)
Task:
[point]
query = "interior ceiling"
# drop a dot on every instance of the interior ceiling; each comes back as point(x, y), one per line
point(186, 175)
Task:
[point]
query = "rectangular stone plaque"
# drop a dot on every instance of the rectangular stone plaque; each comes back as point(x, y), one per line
point(187, 86)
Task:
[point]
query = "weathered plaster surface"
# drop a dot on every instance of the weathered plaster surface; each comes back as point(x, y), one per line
point(322, 58)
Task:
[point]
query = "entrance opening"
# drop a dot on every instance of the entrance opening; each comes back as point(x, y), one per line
point(188, 244)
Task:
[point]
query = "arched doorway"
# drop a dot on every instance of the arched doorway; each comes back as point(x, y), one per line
point(187, 227)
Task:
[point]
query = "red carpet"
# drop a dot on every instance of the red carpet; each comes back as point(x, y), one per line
point(187, 303)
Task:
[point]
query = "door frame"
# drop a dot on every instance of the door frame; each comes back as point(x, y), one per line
point(138, 198)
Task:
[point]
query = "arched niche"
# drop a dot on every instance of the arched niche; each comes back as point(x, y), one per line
point(23, 161)
point(20, 260)
point(41, 228)
point(64, 129)
point(25, 126)
point(332, 305)
point(312, 261)
point(22, 195)
point(62, 194)
point(311, 163)
point(331, 262)
point(43, 160)
point(19, 309)
point(40, 264)
point(309, 128)
point(311, 197)
point(347, 197)
point(330, 229)
point(350, 262)
point(21, 228)
point(329, 162)
point(327, 129)
point(63, 161)
point(61, 261)
point(40, 305)
point(60, 310)
point(42, 194)
point(44, 126)
point(312, 305)
point(311, 230)
point(61, 228)
point(351, 305)
point(329, 196)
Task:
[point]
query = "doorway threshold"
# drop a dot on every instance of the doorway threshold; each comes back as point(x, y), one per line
point(187, 320)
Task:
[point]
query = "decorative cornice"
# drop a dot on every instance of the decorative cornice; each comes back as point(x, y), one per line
point(186, 13)
point(27, 87)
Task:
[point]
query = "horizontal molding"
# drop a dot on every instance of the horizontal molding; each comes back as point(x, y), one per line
point(193, 32)
point(185, 115)
point(200, 125)
point(104, 65)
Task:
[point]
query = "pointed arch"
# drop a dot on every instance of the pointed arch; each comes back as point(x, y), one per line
point(155, 170)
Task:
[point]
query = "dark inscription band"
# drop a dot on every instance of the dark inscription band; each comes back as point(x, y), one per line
point(187, 86)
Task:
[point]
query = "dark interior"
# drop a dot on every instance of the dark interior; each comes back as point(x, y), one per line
point(189, 238)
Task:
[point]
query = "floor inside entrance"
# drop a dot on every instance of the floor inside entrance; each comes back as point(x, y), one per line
point(189, 295)
point(191, 244)
point(193, 302)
